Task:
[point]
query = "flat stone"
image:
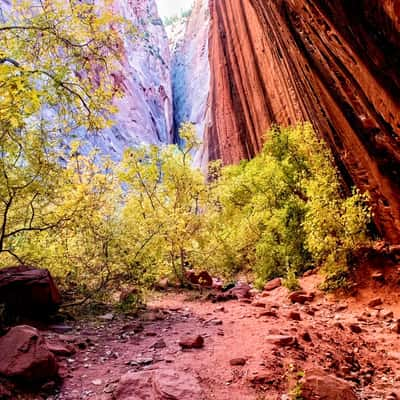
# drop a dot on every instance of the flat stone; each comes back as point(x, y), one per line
point(301, 297)
point(237, 361)
point(163, 384)
point(107, 317)
point(317, 384)
point(271, 285)
point(281, 340)
point(375, 302)
point(60, 349)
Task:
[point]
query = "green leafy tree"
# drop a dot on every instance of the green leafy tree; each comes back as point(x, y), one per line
point(54, 78)
point(284, 211)
point(165, 206)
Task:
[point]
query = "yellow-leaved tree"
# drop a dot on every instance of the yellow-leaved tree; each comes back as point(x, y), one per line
point(55, 61)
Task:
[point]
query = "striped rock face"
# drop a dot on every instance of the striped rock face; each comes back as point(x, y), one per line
point(331, 63)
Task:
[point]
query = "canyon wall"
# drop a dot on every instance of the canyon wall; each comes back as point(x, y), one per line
point(145, 113)
point(335, 64)
point(191, 74)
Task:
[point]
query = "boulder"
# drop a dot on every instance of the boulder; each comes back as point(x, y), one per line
point(240, 291)
point(28, 291)
point(163, 284)
point(301, 297)
point(161, 385)
point(318, 385)
point(25, 356)
point(271, 285)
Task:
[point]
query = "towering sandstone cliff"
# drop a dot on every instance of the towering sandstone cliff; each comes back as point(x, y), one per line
point(191, 73)
point(145, 112)
point(334, 63)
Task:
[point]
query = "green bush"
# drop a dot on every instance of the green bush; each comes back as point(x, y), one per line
point(154, 215)
point(284, 211)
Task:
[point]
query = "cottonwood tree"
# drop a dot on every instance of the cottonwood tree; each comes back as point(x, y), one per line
point(55, 62)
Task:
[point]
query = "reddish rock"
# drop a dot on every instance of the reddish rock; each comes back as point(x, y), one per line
point(295, 316)
point(268, 313)
point(301, 297)
point(160, 344)
point(25, 355)
point(378, 276)
point(396, 327)
point(217, 284)
point(28, 291)
point(355, 328)
point(281, 340)
point(237, 361)
point(271, 285)
point(60, 349)
point(375, 302)
point(192, 342)
point(192, 277)
point(306, 337)
point(163, 284)
point(281, 62)
point(318, 385)
point(388, 315)
point(339, 325)
point(241, 290)
point(161, 384)
point(258, 303)
point(262, 378)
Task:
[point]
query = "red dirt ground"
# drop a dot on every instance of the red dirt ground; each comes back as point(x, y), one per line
point(234, 329)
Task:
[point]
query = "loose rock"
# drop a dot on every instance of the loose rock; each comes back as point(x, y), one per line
point(192, 342)
point(237, 361)
point(25, 355)
point(375, 302)
point(319, 385)
point(160, 384)
point(271, 285)
point(301, 297)
point(281, 340)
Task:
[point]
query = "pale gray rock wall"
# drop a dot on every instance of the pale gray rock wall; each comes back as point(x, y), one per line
point(191, 73)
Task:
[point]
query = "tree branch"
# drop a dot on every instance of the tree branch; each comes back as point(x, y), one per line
point(9, 60)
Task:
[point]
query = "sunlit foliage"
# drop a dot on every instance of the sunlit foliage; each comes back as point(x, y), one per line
point(99, 225)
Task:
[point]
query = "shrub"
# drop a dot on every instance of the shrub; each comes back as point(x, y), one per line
point(284, 210)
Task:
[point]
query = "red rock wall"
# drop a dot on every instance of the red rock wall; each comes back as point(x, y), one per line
point(334, 63)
